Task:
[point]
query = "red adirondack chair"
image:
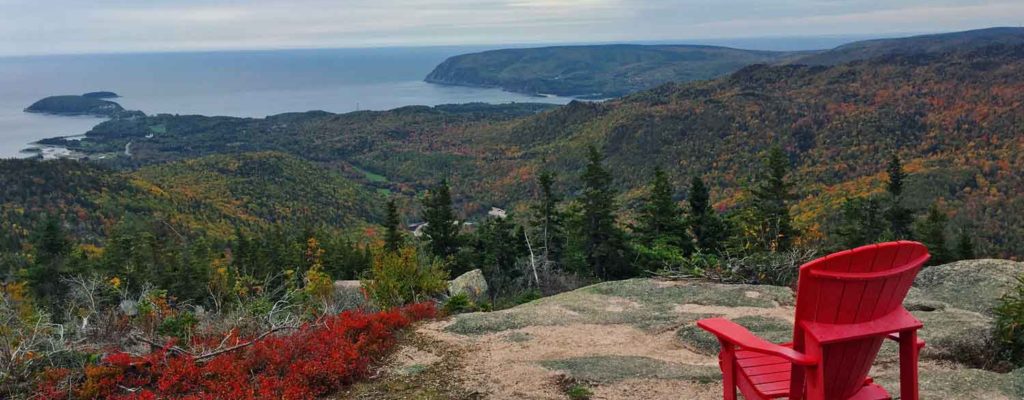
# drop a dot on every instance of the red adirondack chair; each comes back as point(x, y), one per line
point(847, 303)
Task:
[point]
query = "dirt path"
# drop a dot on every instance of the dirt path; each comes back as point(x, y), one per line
point(614, 361)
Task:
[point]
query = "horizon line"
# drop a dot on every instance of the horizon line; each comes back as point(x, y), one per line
point(694, 41)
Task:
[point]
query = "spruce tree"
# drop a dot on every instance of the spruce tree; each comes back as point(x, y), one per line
point(661, 219)
point(931, 231)
point(603, 242)
point(772, 193)
point(965, 246)
point(900, 218)
point(499, 248)
point(710, 231)
point(393, 232)
point(51, 247)
point(861, 223)
point(548, 220)
point(442, 227)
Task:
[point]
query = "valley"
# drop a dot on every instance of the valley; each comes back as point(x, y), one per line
point(524, 249)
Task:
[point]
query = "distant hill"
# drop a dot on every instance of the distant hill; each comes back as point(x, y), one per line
point(596, 71)
point(211, 194)
point(937, 43)
point(615, 70)
point(259, 188)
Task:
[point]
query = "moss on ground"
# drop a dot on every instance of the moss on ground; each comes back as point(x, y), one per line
point(646, 304)
point(611, 369)
point(518, 337)
point(435, 381)
point(657, 293)
point(771, 329)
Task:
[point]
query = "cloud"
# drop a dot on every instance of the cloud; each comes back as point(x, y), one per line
point(74, 26)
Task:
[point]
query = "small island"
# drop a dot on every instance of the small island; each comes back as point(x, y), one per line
point(87, 104)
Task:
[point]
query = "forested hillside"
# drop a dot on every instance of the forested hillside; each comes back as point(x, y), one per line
point(596, 71)
point(211, 195)
point(952, 117)
point(937, 43)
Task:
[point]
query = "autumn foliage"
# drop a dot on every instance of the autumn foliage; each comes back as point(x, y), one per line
point(316, 359)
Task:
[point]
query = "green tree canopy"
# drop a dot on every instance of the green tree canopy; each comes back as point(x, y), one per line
point(393, 238)
point(710, 231)
point(772, 192)
point(931, 231)
point(900, 218)
point(604, 243)
point(442, 227)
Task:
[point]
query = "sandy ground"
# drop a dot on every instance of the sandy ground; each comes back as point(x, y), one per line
point(510, 364)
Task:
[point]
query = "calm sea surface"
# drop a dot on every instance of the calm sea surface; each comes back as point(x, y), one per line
point(244, 84)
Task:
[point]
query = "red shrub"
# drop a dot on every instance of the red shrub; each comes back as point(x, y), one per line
point(314, 360)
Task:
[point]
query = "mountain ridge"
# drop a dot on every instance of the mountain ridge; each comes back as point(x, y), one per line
point(598, 71)
point(612, 70)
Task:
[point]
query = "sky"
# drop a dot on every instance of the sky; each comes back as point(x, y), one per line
point(104, 26)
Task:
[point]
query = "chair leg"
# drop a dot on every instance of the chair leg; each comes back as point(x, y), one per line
point(909, 352)
point(798, 373)
point(727, 361)
point(814, 381)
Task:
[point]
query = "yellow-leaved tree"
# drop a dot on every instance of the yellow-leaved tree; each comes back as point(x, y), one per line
point(403, 277)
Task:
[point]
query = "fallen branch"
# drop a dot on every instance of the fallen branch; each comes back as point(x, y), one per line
point(199, 358)
point(152, 343)
point(242, 345)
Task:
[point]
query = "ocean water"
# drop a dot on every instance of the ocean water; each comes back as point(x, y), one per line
point(243, 84)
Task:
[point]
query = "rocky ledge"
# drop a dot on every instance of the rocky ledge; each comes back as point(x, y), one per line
point(637, 339)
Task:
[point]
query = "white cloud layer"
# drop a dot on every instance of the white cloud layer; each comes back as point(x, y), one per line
point(75, 26)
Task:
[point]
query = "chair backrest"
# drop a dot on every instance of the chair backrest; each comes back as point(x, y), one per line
point(855, 287)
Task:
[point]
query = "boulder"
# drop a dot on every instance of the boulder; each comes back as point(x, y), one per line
point(955, 302)
point(348, 295)
point(472, 284)
point(957, 335)
point(973, 285)
point(129, 307)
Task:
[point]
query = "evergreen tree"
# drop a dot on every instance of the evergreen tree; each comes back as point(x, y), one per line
point(772, 226)
point(51, 248)
point(900, 218)
point(241, 252)
point(393, 235)
point(710, 231)
point(661, 239)
point(498, 249)
point(548, 220)
point(965, 246)
point(442, 227)
point(861, 223)
point(192, 273)
point(931, 231)
point(661, 219)
point(603, 242)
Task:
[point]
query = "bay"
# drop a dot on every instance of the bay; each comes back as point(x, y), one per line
point(232, 83)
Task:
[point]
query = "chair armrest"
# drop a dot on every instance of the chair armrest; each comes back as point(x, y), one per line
point(896, 337)
point(728, 331)
point(898, 320)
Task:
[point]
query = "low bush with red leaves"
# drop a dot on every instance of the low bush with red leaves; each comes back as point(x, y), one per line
point(314, 360)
